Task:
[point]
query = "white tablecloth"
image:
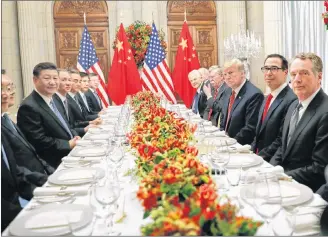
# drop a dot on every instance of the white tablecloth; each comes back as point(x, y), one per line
point(130, 226)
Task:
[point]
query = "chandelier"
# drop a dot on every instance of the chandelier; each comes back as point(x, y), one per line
point(244, 45)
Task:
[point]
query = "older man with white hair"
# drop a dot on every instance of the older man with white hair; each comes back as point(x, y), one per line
point(199, 100)
point(241, 104)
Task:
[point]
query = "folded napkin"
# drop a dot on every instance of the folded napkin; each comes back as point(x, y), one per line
point(211, 129)
point(220, 142)
point(241, 148)
point(207, 123)
point(46, 191)
point(89, 142)
point(100, 130)
point(74, 159)
point(101, 136)
point(83, 151)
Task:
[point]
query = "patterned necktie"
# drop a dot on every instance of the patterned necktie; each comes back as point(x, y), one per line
point(77, 101)
point(61, 119)
point(195, 104)
point(66, 108)
point(266, 107)
point(231, 101)
point(294, 121)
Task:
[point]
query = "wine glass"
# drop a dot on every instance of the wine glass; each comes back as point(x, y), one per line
point(267, 197)
point(106, 197)
point(219, 159)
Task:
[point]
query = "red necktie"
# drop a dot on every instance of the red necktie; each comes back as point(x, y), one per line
point(211, 110)
point(266, 107)
point(231, 101)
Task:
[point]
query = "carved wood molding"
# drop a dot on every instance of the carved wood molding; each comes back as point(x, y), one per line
point(196, 10)
point(76, 9)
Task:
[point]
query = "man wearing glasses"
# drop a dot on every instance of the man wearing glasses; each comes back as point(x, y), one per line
point(274, 107)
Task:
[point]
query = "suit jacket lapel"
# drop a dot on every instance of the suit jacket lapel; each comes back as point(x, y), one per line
point(19, 135)
point(273, 106)
point(45, 107)
point(238, 98)
point(259, 125)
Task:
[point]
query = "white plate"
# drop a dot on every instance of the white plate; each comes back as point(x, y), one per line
point(244, 160)
point(217, 141)
point(79, 151)
point(52, 216)
point(292, 193)
point(102, 136)
point(52, 198)
point(75, 176)
point(211, 129)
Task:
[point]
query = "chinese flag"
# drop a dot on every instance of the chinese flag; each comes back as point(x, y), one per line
point(124, 78)
point(186, 60)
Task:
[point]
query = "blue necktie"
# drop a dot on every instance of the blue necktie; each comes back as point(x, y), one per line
point(57, 113)
point(98, 99)
point(8, 121)
point(21, 200)
point(195, 103)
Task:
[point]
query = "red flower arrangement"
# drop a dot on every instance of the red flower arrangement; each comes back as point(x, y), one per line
point(176, 189)
point(325, 14)
point(138, 34)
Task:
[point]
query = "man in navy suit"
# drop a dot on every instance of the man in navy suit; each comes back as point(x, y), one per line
point(241, 104)
point(304, 149)
point(274, 108)
point(93, 99)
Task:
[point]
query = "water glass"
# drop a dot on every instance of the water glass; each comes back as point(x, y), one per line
point(234, 175)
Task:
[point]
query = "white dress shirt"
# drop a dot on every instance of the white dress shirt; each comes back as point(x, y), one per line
point(276, 92)
point(45, 98)
point(239, 88)
point(305, 104)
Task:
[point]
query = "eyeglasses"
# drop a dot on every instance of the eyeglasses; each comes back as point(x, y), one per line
point(272, 69)
point(8, 89)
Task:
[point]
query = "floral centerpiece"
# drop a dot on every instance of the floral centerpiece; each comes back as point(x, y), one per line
point(138, 34)
point(325, 14)
point(176, 189)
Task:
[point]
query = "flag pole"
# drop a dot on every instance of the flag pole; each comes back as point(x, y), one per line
point(85, 18)
point(152, 16)
point(185, 13)
point(121, 16)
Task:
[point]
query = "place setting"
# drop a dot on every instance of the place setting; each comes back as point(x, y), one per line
point(52, 219)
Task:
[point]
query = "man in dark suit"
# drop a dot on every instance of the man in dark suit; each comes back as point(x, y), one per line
point(304, 149)
point(76, 103)
point(41, 122)
point(199, 102)
point(213, 103)
point(24, 152)
point(274, 108)
point(241, 103)
point(93, 99)
point(17, 184)
point(63, 105)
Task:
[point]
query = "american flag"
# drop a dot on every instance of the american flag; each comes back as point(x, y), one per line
point(156, 75)
point(89, 62)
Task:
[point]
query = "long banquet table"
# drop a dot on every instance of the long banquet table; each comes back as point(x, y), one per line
point(130, 205)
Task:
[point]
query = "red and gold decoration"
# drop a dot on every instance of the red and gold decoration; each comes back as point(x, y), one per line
point(325, 14)
point(176, 189)
point(138, 34)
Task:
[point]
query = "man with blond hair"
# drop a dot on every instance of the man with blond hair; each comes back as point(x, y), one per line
point(214, 103)
point(241, 104)
point(304, 149)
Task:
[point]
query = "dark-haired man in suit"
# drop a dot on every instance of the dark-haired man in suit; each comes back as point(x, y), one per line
point(41, 122)
point(274, 107)
point(304, 149)
point(93, 99)
point(241, 103)
point(24, 152)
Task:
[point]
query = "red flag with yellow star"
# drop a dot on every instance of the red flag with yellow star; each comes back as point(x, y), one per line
point(123, 78)
point(186, 60)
